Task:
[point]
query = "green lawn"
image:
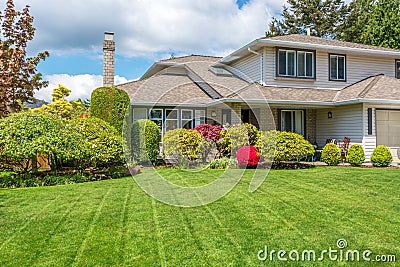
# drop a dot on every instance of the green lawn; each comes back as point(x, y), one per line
point(115, 223)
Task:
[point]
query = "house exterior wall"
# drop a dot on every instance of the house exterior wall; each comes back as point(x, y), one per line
point(370, 141)
point(311, 125)
point(346, 121)
point(358, 68)
point(248, 68)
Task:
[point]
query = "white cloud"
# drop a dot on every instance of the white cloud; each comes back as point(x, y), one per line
point(81, 86)
point(144, 27)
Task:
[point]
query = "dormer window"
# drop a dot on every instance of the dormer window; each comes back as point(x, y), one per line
point(295, 63)
point(337, 67)
point(398, 69)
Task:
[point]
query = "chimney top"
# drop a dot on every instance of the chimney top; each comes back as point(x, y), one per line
point(308, 30)
point(109, 36)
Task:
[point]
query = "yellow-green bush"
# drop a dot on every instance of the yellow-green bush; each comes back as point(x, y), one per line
point(331, 154)
point(355, 155)
point(381, 157)
point(284, 146)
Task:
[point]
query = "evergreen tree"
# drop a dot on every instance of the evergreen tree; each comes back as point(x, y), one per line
point(324, 17)
point(383, 26)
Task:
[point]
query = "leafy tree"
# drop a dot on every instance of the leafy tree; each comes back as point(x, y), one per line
point(383, 26)
point(353, 27)
point(323, 16)
point(18, 73)
point(61, 106)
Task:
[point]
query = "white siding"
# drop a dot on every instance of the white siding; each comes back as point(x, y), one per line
point(346, 122)
point(369, 141)
point(358, 68)
point(248, 67)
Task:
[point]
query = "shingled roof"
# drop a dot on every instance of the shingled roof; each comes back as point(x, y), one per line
point(306, 39)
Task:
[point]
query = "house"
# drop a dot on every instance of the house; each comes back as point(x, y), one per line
point(320, 88)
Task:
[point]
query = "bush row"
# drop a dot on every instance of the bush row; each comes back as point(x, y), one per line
point(332, 155)
point(79, 143)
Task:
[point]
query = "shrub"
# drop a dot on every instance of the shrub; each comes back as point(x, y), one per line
point(210, 132)
point(100, 144)
point(331, 154)
point(110, 105)
point(211, 136)
point(381, 157)
point(233, 137)
point(284, 146)
point(248, 156)
point(355, 155)
point(25, 135)
point(146, 137)
point(222, 163)
point(189, 144)
point(171, 143)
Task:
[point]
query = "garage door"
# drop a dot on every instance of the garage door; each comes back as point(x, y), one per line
point(388, 128)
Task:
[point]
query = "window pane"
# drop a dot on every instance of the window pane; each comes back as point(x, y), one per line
point(301, 68)
point(398, 69)
point(291, 58)
point(333, 71)
point(282, 62)
point(186, 114)
point(156, 114)
point(171, 124)
point(287, 121)
point(187, 124)
point(298, 122)
point(171, 114)
point(139, 114)
point(309, 64)
point(341, 68)
point(199, 117)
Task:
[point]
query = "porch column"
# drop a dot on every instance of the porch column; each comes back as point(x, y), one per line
point(268, 119)
point(311, 125)
point(236, 113)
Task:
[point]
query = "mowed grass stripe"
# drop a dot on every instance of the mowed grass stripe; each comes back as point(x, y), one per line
point(319, 206)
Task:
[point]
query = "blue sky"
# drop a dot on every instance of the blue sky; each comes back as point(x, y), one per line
point(145, 31)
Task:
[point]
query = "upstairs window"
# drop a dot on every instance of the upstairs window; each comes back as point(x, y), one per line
point(398, 69)
point(337, 67)
point(295, 63)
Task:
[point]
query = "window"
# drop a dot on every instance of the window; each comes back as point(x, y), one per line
point(296, 63)
point(199, 117)
point(156, 115)
point(337, 65)
point(398, 69)
point(171, 119)
point(139, 114)
point(187, 118)
point(292, 121)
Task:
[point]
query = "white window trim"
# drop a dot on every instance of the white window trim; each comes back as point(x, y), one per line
point(305, 64)
point(168, 119)
point(337, 67)
point(199, 118)
point(296, 71)
point(182, 120)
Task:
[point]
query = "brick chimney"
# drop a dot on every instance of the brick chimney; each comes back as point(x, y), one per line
point(108, 60)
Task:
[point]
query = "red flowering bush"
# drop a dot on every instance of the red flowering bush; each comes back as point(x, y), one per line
point(248, 156)
point(210, 132)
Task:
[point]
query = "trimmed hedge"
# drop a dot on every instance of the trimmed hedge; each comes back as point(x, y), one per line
point(355, 155)
point(110, 104)
point(146, 137)
point(284, 146)
point(381, 157)
point(222, 163)
point(331, 154)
